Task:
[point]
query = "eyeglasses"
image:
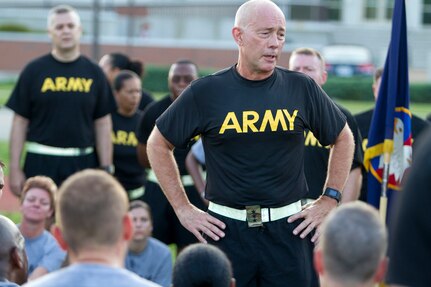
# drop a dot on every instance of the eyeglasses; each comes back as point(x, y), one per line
point(186, 78)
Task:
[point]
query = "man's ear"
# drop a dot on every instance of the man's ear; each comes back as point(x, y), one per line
point(318, 261)
point(237, 35)
point(56, 231)
point(127, 227)
point(381, 270)
point(16, 260)
point(18, 266)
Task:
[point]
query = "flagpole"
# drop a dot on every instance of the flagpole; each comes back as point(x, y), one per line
point(383, 196)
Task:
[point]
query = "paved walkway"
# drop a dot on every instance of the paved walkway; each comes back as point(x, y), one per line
point(8, 202)
point(5, 123)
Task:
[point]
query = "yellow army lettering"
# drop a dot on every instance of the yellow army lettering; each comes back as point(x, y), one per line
point(124, 138)
point(63, 84)
point(311, 140)
point(251, 118)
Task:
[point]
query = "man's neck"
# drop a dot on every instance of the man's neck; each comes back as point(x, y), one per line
point(109, 256)
point(137, 246)
point(330, 282)
point(65, 56)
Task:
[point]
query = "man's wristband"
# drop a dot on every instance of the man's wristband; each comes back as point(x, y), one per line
point(332, 193)
point(108, 168)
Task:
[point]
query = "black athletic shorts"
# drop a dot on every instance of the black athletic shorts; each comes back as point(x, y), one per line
point(58, 168)
point(266, 256)
point(166, 226)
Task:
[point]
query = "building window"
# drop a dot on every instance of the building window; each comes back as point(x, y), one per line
point(389, 9)
point(371, 9)
point(324, 10)
point(426, 18)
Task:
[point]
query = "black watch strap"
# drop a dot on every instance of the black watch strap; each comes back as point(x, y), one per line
point(108, 168)
point(332, 193)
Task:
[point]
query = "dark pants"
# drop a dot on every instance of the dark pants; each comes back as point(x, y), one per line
point(166, 226)
point(266, 256)
point(58, 168)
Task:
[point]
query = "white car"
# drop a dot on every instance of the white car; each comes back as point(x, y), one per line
point(348, 60)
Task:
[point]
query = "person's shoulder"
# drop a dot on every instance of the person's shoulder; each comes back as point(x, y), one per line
point(36, 63)
point(364, 114)
point(8, 284)
point(84, 60)
point(52, 279)
point(131, 279)
point(159, 244)
point(290, 74)
point(344, 110)
point(419, 120)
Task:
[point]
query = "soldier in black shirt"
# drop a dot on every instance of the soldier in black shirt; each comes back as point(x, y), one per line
point(62, 104)
point(128, 171)
point(364, 122)
point(316, 156)
point(167, 228)
point(252, 118)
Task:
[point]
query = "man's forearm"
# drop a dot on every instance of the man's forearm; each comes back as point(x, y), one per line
point(162, 161)
point(353, 186)
point(17, 140)
point(340, 160)
point(103, 129)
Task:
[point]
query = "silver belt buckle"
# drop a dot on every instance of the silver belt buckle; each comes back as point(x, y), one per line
point(254, 216)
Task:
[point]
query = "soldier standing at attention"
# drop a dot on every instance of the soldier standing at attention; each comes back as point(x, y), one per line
point(62, 104)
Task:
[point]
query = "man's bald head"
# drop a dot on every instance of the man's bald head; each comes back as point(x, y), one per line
point(250, 10)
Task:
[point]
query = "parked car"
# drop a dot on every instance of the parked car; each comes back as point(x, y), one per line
point(348, 60)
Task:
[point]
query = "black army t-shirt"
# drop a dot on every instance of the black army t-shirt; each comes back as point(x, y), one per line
point(151, 113)
point(316, 157)
point(62, 100)
point(128, 171)
point(253, 133)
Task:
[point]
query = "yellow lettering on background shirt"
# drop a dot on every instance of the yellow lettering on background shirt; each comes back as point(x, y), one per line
point(63, 84)
point(48, 84)
point(75, 84)
point(121, 137)
point(132, 140)
point(310, 139)
point(87, 84)
point(60, 84)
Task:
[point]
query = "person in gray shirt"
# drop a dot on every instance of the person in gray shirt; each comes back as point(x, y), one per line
point(94, 227)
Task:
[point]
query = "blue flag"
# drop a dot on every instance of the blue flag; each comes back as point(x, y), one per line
point(390, 130)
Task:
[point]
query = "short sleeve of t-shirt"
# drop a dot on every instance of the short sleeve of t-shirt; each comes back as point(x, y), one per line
point(149, 116)
point(183, 120)
point(321, 111)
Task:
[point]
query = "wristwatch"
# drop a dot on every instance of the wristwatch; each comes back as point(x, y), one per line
point(108, 168)
point(332, 193)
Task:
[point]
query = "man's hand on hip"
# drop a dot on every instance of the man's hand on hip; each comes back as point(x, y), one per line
point(199, 223)
point(313, 215)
